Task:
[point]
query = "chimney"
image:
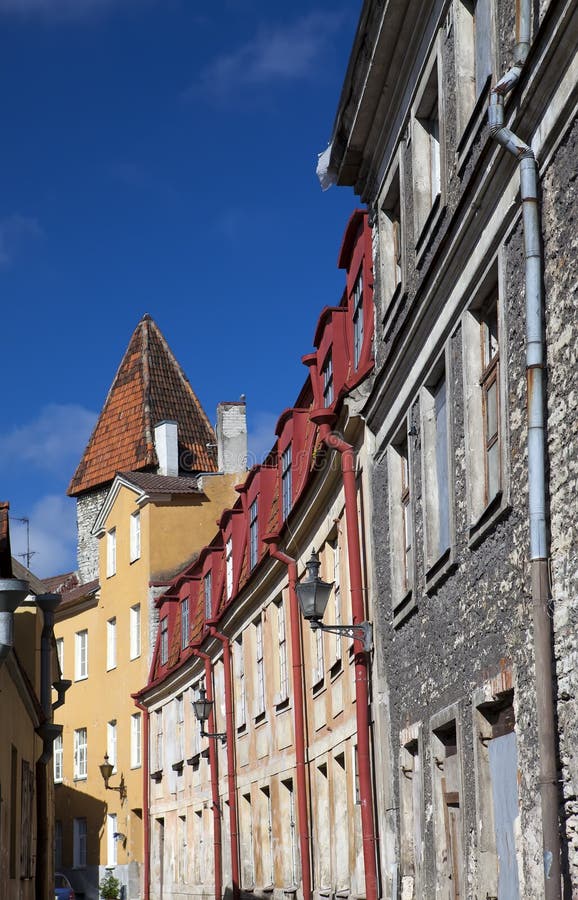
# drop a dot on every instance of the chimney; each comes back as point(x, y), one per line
point(167, 447)
point(232, 436)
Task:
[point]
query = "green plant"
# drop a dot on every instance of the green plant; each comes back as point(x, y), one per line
point(109, 887)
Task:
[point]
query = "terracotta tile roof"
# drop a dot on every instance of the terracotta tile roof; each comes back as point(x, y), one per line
point(148, 387)
point(80, 592)
point(162, 484)
point(59, 584)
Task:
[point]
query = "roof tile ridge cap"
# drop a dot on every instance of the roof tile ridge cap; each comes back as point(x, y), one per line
point(144, 324)
point(104, 407)
point(182, 375)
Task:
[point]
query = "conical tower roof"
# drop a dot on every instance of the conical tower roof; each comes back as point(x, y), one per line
point(148, 387)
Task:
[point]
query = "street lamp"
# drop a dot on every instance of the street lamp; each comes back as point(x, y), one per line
point(106, 770)
point(202, 710)
point(313, 594)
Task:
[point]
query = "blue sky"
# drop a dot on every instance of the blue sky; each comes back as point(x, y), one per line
point(158, 156)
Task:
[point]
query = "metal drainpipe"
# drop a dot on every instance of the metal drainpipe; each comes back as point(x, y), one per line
point(298, 715)
point(214, 780)
point(346, 452)
point(12, 592)
point(543, 638)
point(231, 770)
point(145, 798)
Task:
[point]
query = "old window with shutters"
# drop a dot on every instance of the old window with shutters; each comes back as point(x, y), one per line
point(412, 813)
point(401, 522)
point(448, 802)
point(474, 55)
point(391, 228)
point(427, 147)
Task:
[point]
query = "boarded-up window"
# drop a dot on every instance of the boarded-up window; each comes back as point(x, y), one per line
point(448, 811)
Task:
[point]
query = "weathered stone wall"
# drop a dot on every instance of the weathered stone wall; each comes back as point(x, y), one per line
point(88, 507)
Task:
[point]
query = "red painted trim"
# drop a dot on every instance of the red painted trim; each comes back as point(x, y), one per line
point(231, 769)
point(298, 717)
point(217, 843)
point(145, 798)
point(361, 682)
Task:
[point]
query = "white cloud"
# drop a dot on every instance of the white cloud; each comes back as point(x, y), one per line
point(261, 436)
point(14, 231)
point(53, 442)
point(52, 536)
point(277, 53)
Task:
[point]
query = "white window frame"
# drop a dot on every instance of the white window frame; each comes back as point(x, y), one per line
point(79, 836)
point(111, 832)
point(111, 553)
point(58, 759)
point(229, 566)
point(111, 644)
point(81, 655)
point(392, 236)
point(134, 627)
point(208, 589)
point(135, 536)
point(240, 683)
point(428, 153)
point(159, 740)
point(180, 726)
point(164, 640)
point(60, 653)
point(282, 647)
point(327, 375)
point(259, 669)
point(185, 623)
point(111, 743)
point(135, 740)
point(401, 522)
point(358, 315)
point(182, 857)
point(336, 554)
point(253, 533)
point(80, 754)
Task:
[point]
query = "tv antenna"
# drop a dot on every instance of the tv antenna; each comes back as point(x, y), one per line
point(28, 554)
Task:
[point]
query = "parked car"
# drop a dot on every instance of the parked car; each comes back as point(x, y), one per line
point(62, 888)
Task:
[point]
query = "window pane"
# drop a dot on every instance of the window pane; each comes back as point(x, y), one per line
point(491, 411)
point(493, 458)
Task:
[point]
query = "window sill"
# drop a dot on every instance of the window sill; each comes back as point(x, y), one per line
point(392, 307)
point(260, 718)
point(319, 687)
point(81, 678)
point(156, 776)
point(494, 511)
point(178, 766)
point(336, 669)
point(241, 728)
point(428, 230)
point(111, 668)
point(136, 766)
point(439, 570)
point(78, 778)
point(404, 607)
point(194, 761)
point(132, 659)
point(281, 705)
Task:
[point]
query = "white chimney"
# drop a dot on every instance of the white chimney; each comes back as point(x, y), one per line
point(167, 447)
point(232, 437)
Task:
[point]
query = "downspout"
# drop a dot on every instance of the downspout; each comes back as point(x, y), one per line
point(231, 770)
point(298, 716)
point(48, 731)
point(323, 419)
point(145, 797)
point(543, 638)
point(217, 861)
point(12, 593)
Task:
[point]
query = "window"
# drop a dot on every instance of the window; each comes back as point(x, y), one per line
point(474, 54)
point(135, 536)
point(265, 827)
point(436, 467)
point(26, 818)
point(58, 758)
point(357, 319)
point(60, 654)
point(111, 743)
point(135, 647)
point(323, 826)
point(199, 847)
point(246, 841)
point(253, 534)
point(111, 832)
point(327, 375)
point(180, 718)
point(318, 657)
point(336, 566)
point(448, 807)
point(183, 849)
point(229, 566)
point(287, 481)
point(79, 843)
point(81, 655)
point(164, 641)
point(80, 754)
point(498, 811)
point(401, 523)
point(135, 741)
point(485, 389)
point(159, 740)
point(111, 644)
point(208, 583)
point(339, 814)
point(240, 685)
point(57, 845)
point(185, 623)
point(411, 795)
point(426, 145)
point(111, 552)
point(282, 639)
point(13, 808)
point(260, 669)
point(290, 853)
point(391, 236)
point(196, 731)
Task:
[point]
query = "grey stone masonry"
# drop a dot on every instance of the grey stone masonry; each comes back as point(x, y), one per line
point(88, 507)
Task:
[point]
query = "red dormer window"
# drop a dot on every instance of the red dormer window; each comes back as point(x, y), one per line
point(357, 303)
point(164, 641)
point(327, 374)
point(229, 566)
point(253, 533)
point(185, 623)
point(208, 586)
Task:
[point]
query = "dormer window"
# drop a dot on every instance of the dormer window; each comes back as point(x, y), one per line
point(135, 536)
point(208, 583)
point(253, 534)
point(287, 480)
point(229, 565)
point(357, 319)
point(327, 373)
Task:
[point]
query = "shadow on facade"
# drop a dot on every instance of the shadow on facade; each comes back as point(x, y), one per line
point(74, 808)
